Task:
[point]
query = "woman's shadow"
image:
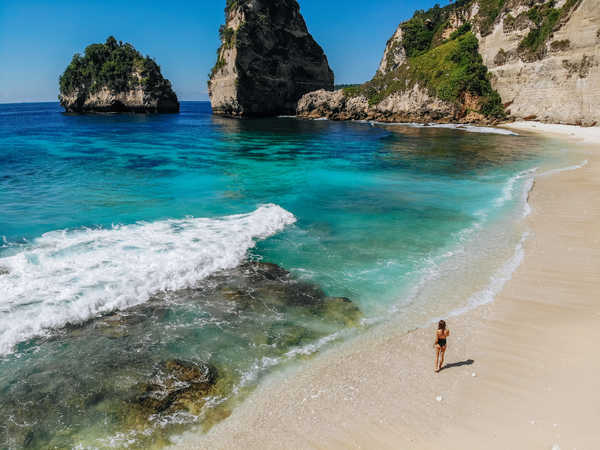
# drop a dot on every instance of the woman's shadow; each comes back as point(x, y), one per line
point(466, 362)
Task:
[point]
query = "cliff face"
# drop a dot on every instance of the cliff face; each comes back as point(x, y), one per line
point(267, 60)
point(542, 59)
point(444, 83)
point(562, 82)
point(114, 77)
point(136, 100)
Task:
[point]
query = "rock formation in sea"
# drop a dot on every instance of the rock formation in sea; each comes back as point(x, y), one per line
point(542, 57)
point(267, 60)
point(115, 77)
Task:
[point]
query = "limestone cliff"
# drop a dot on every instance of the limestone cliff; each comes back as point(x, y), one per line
point(267, 60)
point(114, 77)
point(447, 82)
point(542, 57)
point(560, 82)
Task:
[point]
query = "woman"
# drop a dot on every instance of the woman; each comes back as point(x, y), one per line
point(441, 335)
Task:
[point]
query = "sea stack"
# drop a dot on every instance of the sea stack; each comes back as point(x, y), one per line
point(115, 77)
point(267, 60)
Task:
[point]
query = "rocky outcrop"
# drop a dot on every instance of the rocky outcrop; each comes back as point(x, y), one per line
point(176, 385)
point(415, 105)
point(267, 60)
point(542, 57)
point(136, 100)
point(394, 55)
point(277, 289)
point(114, 77)
point(416, 89)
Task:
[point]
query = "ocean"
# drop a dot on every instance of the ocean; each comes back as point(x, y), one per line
point(155, 268)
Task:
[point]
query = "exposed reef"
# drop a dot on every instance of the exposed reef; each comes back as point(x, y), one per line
point(116, 378)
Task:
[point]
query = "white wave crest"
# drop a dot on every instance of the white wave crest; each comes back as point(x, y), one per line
point(69, 276)
point(509, 188)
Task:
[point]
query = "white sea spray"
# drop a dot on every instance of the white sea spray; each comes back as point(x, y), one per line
point(72, 275)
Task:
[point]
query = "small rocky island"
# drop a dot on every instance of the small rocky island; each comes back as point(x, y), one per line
point(115, 77)
point(267, 60)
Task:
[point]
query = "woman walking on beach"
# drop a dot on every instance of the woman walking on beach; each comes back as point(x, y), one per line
point(441, 335)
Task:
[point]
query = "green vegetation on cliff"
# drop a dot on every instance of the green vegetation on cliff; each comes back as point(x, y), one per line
point(228, 39)
point(489, 10)
point(115, 65)
point(448, 71)
point(424, 30)
point(419, 31)
point(229, 5)
point(438, 51)
point(546, 18)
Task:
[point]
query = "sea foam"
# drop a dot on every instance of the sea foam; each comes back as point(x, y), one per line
point(72, 275)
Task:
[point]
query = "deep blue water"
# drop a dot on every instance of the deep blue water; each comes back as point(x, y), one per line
point(100, 212)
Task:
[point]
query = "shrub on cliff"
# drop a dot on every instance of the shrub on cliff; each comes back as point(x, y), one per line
point(546, 19)
point(418, 32)
point(463, 29)
point(424, 30)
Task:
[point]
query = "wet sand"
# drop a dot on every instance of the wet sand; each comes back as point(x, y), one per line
point(521, 372)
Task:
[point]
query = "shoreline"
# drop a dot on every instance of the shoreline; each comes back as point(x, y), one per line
point(518, 375)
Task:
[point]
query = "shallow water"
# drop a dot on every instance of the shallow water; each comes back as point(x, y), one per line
point(102, 213)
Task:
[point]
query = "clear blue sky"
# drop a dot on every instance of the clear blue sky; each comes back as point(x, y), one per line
point(38, 38)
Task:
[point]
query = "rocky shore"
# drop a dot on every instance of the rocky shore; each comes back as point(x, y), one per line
point(123, 373)
point(416, 105)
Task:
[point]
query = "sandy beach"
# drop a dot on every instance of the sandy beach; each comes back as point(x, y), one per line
point(522, 372)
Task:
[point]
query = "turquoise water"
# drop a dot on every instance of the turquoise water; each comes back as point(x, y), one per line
point(102, 213)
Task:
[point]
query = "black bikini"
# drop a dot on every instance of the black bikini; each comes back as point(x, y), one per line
point(441, 342)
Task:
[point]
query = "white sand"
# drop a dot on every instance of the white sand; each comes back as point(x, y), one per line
point(588, 135)
point(533, 351)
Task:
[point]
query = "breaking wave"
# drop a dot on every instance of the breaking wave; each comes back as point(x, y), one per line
point(72, 275)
